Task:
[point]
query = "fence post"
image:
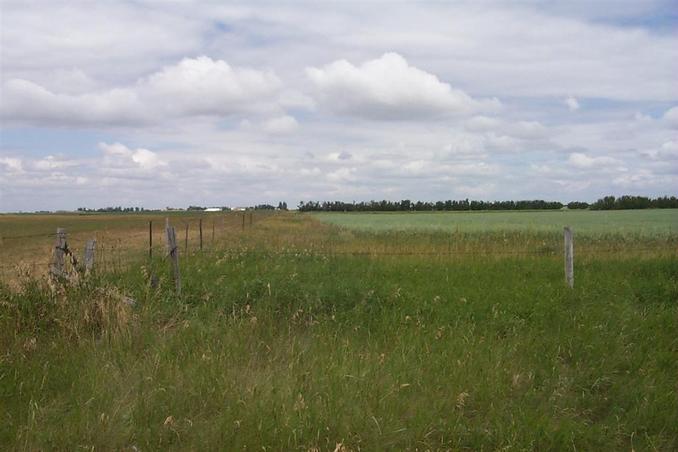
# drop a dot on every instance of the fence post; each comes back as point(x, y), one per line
point(200, 226)
point(243, 220)
point(150, 239)
point(212, 231)
point(569, 256)
point(59, 253)
point(251, 218)
point(186, 239)
point(173, 253)
point(89, 254)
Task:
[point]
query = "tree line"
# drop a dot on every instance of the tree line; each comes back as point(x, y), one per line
point(606, 203)
point(635, 202)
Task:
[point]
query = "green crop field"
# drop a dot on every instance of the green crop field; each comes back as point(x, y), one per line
point(357, 332)
point(634, 222)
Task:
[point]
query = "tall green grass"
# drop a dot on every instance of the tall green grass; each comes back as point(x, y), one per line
point(646, 223)
point(301, 350)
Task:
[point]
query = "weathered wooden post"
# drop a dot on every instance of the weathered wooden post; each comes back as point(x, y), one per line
point(200, 226)
point(569, 256)
point(186, 239)
point(60, 247)
point(243, 221)
point(90, 246)
point(251, 218)
point(173, 253)
point(150, 239)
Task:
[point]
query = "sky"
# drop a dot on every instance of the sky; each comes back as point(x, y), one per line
point(155, 104)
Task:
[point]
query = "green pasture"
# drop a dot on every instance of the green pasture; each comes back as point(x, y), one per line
point(648, 223)
point(277, 343)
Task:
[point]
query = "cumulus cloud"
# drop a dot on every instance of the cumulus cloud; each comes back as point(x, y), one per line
point(571, 103)
point(282, 124)
point(52, 162)
point(506, 135)
point(342, 175)
point(581, 160)
point(193, 87)
point(120, 155)
point(203, 86)
point(667, 151)
point(671, 117)
point(26, 101)
point(213, 128)
point(11, 165)
point(389, 88)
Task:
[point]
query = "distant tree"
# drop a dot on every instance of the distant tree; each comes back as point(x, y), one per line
point(577, 205)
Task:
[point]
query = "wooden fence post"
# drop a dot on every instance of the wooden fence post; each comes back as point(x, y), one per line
point(173, 253)
point(200, 226)
point(186, 239)
point(569, 256)
point(251, 218)
point(243, 220)
point(89, 255)
point(150, 239)
point(59, 253)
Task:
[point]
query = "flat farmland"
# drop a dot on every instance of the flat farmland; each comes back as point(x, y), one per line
point(307, 332)
point(643, 223)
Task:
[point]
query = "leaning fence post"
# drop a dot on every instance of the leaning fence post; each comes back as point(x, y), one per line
point(89, 254)
point(569, 256)
point(173, 253)
point(59, 253)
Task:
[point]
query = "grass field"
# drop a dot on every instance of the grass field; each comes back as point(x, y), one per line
point(648, 223)
point(298, 334)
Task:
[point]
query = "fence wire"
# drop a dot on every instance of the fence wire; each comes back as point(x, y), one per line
point(110, 252)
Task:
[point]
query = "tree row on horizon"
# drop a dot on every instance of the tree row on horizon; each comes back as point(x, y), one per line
point(605, 203)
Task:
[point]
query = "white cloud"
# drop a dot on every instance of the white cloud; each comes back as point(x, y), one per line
point(212, 129)
point(342, 175)
point(482, 124)
point(52, 162)
point(192, 87)
point(465, 144)
point(282, 124)
point(671, 117)
point(147, 159)
point(581, 160)
point(25, 101)
point(120, 155)
point(11, 165)
point(389, 88)
point(571, 103)
point(203, 86)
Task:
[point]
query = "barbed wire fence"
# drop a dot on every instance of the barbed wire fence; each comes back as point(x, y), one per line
point(106, 251)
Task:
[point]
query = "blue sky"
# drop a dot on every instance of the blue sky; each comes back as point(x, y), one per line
point(169, 104)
